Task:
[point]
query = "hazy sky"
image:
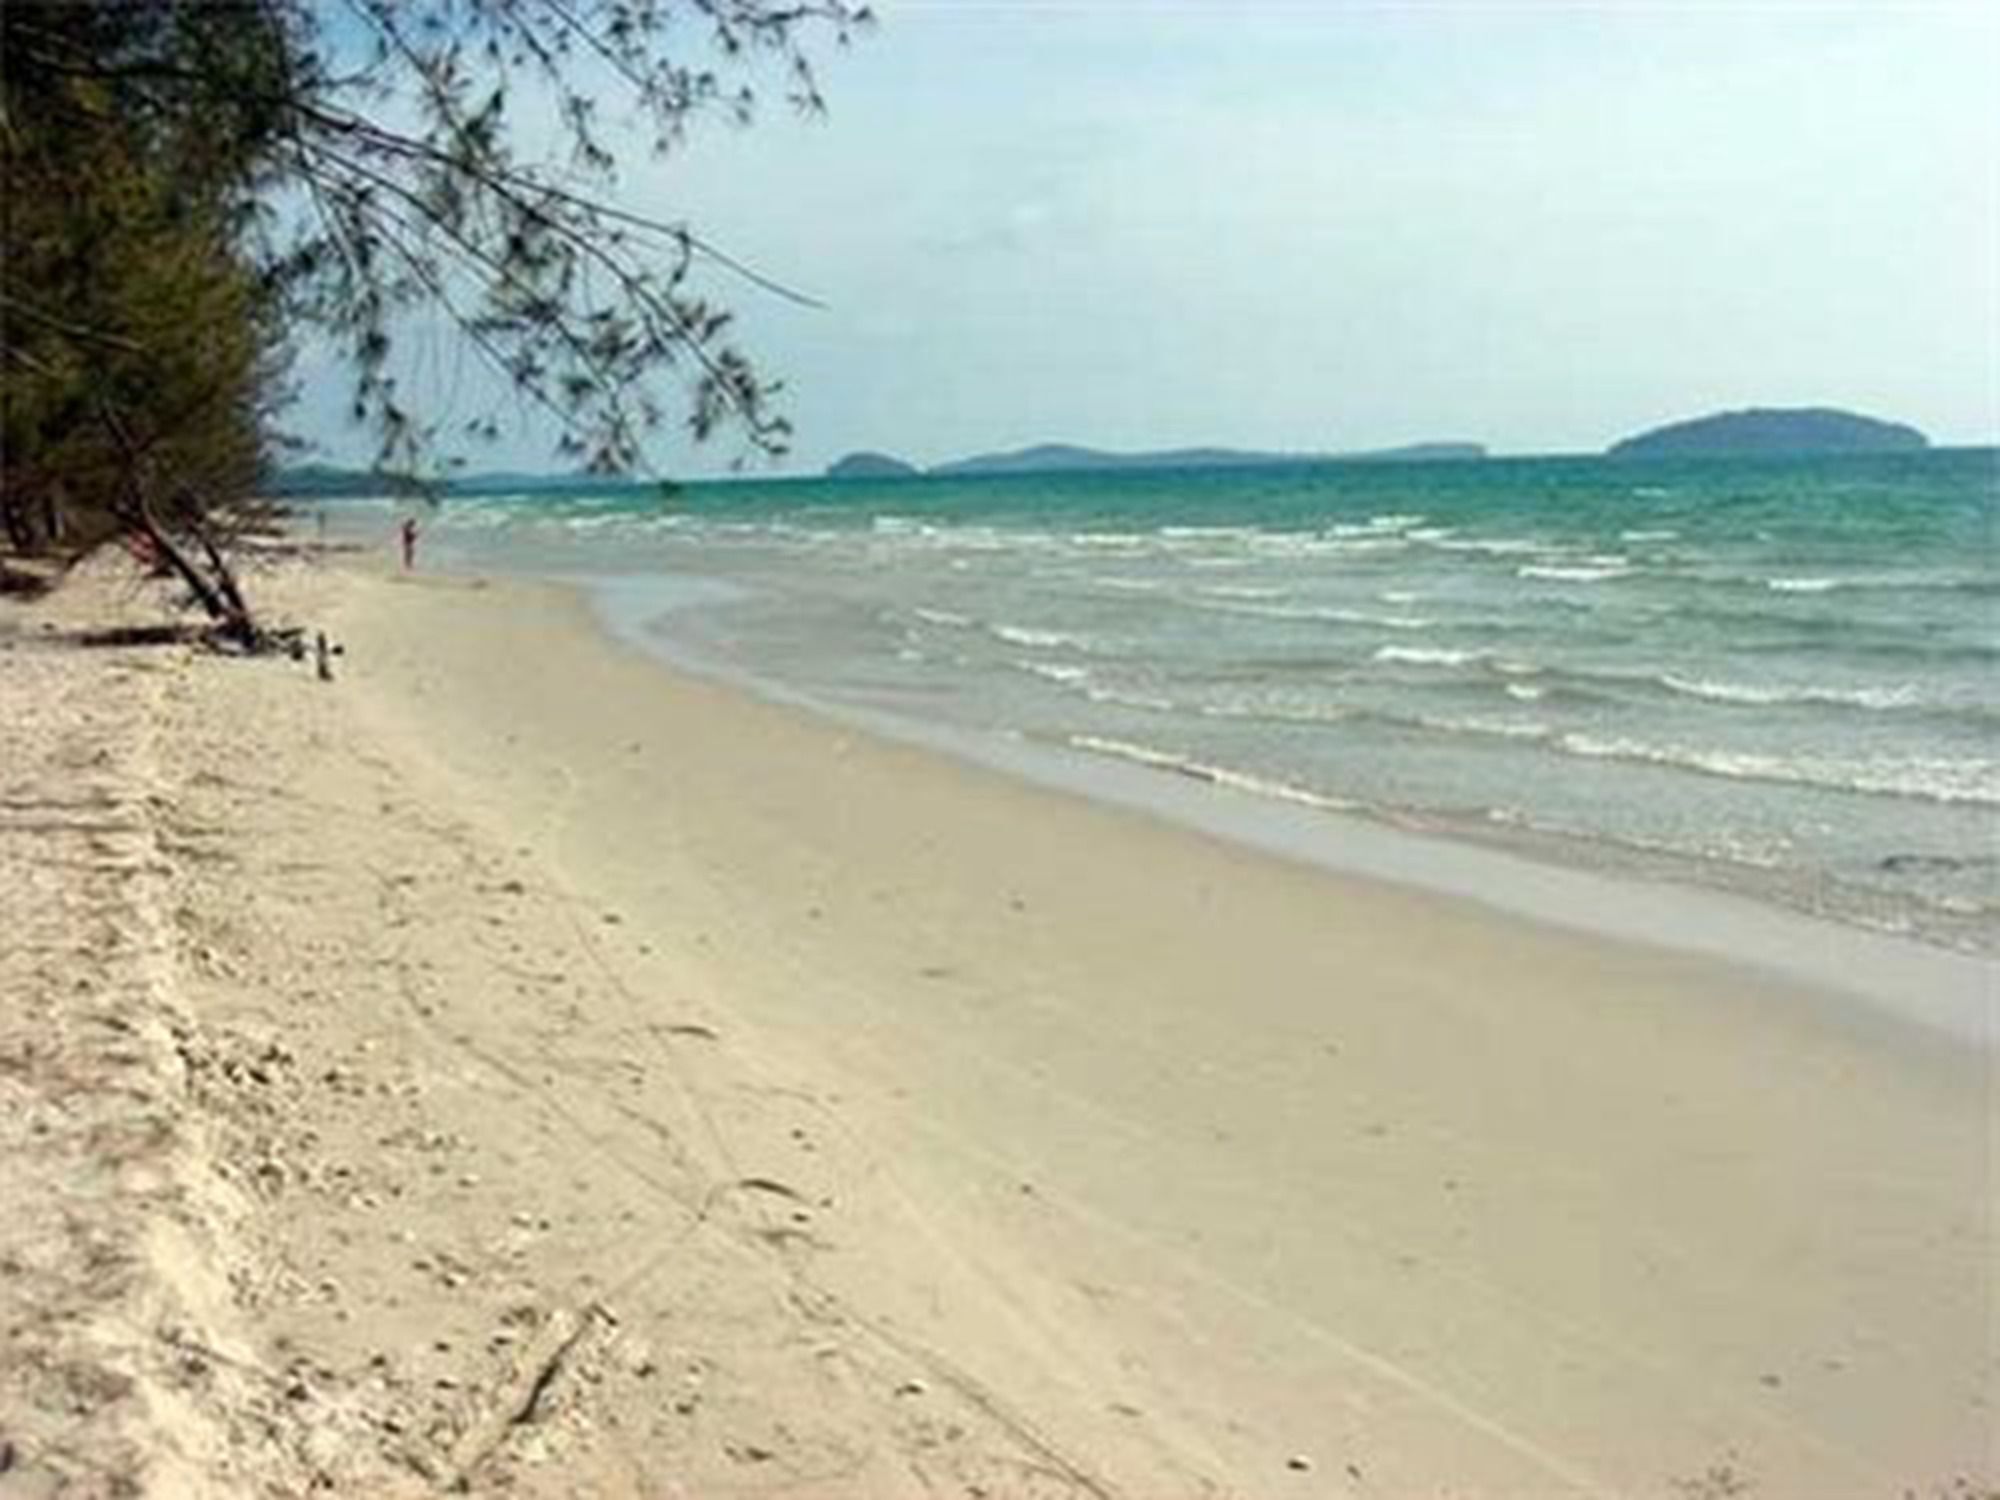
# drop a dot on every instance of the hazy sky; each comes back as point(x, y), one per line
point(1328, 225)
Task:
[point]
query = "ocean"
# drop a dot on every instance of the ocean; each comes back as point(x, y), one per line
point(1772, 675)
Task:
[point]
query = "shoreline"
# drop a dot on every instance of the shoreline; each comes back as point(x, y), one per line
point(1829, 771)
point(1938, 985)
point(1773, 912)
point(579, 1074)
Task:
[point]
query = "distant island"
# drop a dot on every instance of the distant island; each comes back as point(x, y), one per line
point(1775, 430)
point(1068, 458)
point(1414, 453)
point(867, 465)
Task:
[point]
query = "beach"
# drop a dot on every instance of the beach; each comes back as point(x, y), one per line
point(522, 1065)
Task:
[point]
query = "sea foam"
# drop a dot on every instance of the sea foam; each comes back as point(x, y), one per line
point(1428, 656)
point(1880, 698)
point(1242, 781)
point(1936, 779)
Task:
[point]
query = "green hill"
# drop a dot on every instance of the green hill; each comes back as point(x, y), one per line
point(1803, 429)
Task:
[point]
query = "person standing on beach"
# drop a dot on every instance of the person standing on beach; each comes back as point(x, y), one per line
point(409, 530)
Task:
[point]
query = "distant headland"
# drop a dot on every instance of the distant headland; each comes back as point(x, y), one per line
point(1775, 430)
point(1069, 458)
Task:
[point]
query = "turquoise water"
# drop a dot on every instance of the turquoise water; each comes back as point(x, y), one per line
point(1772, 674)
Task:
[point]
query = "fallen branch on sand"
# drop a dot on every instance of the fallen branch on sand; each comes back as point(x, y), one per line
point(521, 1398)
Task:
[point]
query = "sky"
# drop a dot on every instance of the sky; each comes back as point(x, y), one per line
point(1315, 226)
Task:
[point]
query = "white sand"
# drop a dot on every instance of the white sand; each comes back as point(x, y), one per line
point(667, 1093)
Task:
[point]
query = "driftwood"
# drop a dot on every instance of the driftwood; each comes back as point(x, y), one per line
point(288, 638)
point(27, 583)
point(140, 635)
point(519, 1399)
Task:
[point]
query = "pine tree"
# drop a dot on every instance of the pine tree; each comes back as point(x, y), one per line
point(187, 183)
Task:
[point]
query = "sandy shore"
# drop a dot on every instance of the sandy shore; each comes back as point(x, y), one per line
point(518, 1065)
